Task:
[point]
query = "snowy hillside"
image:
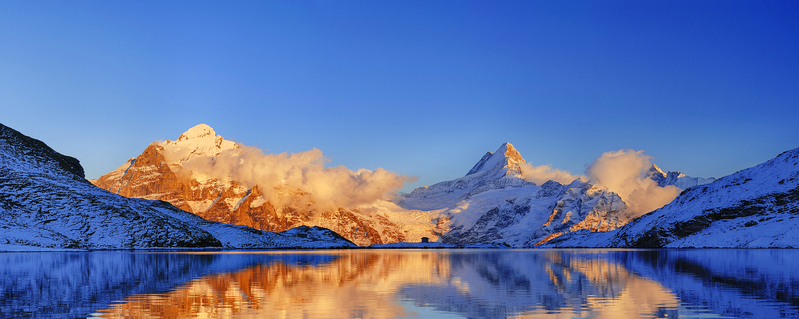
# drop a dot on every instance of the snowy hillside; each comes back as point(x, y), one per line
point(46, 203)
point(755, 207)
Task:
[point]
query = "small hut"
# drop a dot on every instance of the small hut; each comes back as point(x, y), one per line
point(425, 240)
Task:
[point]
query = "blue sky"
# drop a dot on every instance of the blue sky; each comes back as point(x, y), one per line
point(422, 88)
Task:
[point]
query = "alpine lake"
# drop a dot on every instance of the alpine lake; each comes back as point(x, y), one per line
point(401, 283)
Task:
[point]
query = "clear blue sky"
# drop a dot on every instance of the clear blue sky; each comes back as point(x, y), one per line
point(422, 88)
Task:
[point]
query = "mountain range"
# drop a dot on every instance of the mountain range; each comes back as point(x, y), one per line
point(493, 203)
point(161, 198)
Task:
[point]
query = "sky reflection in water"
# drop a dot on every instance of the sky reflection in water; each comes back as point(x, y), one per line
point(404, 283)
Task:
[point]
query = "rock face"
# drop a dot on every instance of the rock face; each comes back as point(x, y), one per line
point(753, 208)
point(46, 202)
point(159, 174)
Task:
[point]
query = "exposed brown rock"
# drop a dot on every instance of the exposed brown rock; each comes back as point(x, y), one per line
point(150, 176)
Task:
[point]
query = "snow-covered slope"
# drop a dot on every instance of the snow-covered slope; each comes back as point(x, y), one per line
point(755, 207)
point(45, 202)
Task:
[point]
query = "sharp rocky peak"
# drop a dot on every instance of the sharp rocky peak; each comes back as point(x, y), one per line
point(655, 171)
point(510, 153)
point(506, 154)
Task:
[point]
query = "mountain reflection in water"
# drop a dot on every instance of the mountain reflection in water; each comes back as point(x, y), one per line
point(404, 283)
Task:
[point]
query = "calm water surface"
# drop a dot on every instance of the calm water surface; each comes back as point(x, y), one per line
point(402, 283)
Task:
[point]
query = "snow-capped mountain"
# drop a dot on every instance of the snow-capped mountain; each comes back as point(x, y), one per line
point(752, 208)
point(159, 174)
point(675, 178)
point(494, 171)
point(494, 204)
point(46, 202)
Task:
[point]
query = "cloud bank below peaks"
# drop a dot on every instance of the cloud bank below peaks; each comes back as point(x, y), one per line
point(279, 176)
point(624, 172)
point(544, 173)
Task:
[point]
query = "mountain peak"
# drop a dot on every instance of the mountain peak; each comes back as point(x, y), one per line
point(510, 153)
point(506, 154)
point(199, 130)
point(655, 171)
point(198, 140)
point(679, 179)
